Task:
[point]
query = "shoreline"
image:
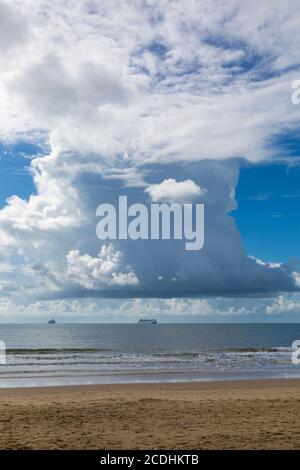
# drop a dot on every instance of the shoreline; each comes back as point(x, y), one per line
point(134, 378)
point(171, 385)
point(250, 414)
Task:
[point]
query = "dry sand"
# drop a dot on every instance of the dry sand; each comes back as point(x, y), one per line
point(261, 414)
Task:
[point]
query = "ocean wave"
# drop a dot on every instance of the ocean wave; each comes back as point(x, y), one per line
point(258, 350)
point(38, 351)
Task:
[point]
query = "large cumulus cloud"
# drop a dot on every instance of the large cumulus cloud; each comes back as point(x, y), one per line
point(55, 234)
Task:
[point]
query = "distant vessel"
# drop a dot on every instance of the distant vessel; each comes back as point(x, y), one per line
point(147, 321)
point(51, 322)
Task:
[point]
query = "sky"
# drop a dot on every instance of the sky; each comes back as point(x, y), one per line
point(185, 101)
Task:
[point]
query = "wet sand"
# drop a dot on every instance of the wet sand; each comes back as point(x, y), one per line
point(262, 414)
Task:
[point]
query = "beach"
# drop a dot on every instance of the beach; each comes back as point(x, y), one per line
point(251, 414)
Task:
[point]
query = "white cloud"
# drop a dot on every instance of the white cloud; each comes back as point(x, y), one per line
point(97, 82)
point(204, 307)
point(171, 190)
point(193, 310)
point(13, 27)
point(100, 271)
point(129, 310)
point(284, 305)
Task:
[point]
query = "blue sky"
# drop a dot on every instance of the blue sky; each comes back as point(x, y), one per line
point(15, 176)
point(268, 206)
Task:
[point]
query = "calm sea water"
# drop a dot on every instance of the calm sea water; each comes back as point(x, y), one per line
point(91, 354)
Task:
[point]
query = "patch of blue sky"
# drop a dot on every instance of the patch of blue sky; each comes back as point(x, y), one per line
point(267, 217)
point(226, 42)
point(286, 145)
point(158, 49)
point(15, 177)
point(258, 66)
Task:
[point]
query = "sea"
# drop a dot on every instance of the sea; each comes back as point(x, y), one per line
point(74, 354)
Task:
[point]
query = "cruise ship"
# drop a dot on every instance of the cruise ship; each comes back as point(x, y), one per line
point(147, 321)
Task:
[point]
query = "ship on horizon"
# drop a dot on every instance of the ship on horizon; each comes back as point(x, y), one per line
point(51, 322)
point(147, 321)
